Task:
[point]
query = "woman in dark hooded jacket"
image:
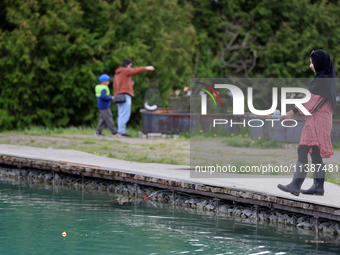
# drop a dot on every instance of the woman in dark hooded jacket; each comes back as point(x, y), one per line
point(316, 134)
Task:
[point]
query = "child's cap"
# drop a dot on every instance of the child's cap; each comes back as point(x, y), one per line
point(104, 77)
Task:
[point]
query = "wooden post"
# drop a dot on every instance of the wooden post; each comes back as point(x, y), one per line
point(218, 204)
point(317, 226)
point(257, 212)
point(136, 189)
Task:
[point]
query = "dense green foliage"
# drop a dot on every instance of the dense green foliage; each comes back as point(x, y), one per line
point(277, 35)
point(53, 51)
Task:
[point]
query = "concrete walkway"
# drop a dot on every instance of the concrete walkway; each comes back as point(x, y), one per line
point(264, 185)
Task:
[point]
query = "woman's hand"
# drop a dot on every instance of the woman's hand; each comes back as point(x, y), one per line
point(288, 115)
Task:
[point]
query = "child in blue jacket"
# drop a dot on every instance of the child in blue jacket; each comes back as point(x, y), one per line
point(104, 104)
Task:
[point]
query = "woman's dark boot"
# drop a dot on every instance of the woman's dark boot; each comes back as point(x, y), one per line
point(299, 176)
point(319, 179)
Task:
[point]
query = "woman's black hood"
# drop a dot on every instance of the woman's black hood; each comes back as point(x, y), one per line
point(324, 82)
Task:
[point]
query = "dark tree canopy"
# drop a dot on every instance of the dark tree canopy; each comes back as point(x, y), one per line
point(53, 51)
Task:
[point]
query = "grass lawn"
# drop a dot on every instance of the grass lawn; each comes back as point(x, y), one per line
point(160, 150)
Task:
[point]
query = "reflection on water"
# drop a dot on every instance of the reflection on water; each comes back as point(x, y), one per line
point(34, 216)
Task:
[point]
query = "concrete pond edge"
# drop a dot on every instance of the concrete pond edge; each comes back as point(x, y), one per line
point(193, 201)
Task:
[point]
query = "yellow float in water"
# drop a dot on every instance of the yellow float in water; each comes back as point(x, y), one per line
point(63, 234)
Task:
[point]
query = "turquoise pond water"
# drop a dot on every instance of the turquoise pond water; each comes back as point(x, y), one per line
point(33, 217)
